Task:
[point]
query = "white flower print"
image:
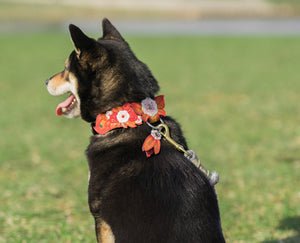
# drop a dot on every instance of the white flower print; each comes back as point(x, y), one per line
point(123, 116)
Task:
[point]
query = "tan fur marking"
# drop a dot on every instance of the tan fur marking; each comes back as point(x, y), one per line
point(57, 80)
point(106, 235)
point(67, 64)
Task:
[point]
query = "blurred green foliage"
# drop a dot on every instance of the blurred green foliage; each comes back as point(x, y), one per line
point(293, 2)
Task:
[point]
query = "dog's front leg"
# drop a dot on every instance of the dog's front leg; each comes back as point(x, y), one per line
point(103, 232)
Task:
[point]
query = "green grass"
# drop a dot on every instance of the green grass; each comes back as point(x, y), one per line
point(236, 98)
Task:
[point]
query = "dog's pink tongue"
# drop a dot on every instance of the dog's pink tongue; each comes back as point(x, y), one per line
point(64, 104)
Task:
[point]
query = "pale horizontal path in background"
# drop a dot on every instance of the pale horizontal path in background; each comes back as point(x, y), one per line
point(164, 27)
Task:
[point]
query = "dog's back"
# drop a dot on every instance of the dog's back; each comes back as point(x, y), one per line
point(164, 198)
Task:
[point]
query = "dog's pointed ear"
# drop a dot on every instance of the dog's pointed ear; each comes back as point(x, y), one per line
point(79, 39)
point(109, 31)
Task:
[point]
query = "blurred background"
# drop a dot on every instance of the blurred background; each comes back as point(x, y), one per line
point(233, 63)
point(141, 16)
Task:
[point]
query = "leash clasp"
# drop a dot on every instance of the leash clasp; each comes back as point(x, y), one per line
point(164, 131)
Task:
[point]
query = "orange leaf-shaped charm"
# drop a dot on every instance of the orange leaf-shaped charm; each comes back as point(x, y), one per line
point(152, 143)
point(148, 143)
point(157, 147)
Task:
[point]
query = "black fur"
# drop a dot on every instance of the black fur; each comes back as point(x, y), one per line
point(109, 73)
point(164, 198)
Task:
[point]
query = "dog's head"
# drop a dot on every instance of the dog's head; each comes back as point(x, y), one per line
point(100, 74)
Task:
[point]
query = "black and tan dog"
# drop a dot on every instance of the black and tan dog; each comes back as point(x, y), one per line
point(141, 188)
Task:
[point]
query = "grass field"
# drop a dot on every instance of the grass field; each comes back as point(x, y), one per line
point(236, 98)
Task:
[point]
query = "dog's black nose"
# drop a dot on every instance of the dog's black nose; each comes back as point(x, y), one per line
point(47, 81)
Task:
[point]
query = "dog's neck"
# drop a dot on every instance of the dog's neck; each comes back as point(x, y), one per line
point(131, 115)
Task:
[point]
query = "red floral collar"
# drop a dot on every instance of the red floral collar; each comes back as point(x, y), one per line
point(132, 115)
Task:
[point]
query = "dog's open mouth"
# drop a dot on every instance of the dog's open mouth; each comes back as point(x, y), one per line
point(67, 106)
